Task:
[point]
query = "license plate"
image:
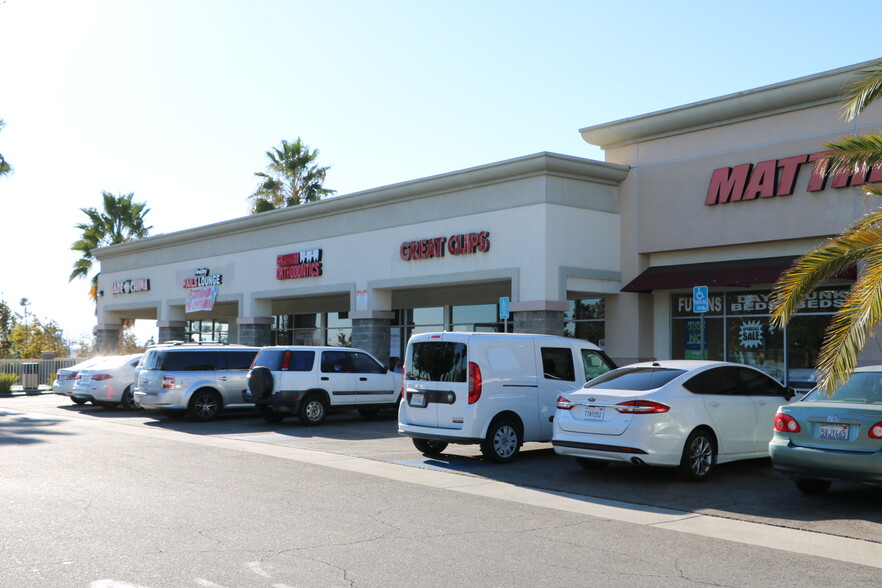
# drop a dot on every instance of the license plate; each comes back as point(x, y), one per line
point(835, 432)
point(594, 413)
point(417, 400)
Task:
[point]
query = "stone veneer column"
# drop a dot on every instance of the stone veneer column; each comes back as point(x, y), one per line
point(171, 331)
point(107, 338)
point(255, 330)
point(543, 317)
point(371, 331)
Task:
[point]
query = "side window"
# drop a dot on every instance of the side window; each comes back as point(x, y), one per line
point(557, 363)
point(365, 364)
point(757, 384)
point(237, 360)
point(190, 361)
point(594, 364)
point(720, 381)
point(336, 362)
point(301, 361)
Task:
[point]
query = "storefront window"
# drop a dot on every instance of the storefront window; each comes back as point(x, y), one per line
point(297, 329)
point(787, 355)
point(339, 329)
point(585, 319)
point(208, 330)
point(476, 317)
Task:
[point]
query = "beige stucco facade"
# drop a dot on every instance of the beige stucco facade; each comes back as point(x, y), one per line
point(559, 228)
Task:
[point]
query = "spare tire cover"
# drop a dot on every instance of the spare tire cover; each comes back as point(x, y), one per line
point(260, 382)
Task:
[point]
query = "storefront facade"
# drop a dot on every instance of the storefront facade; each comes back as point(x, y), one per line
point(719, 193)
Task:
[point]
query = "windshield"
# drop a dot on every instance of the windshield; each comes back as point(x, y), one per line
point(862, 388)
point(634, 378)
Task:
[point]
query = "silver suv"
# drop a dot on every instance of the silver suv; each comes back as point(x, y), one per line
point(309, 381)
point(199, 378)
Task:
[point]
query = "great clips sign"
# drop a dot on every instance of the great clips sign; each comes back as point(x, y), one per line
point(302, 264)
point(777, 177)
point(463, 244)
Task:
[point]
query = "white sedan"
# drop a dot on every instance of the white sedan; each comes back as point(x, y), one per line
point(67, 377)
point(108, 383)
point(680, 413)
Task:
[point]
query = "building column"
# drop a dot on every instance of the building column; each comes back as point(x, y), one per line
point(371, 331)
point(107, 338)
point(171, 331)
point(255, 330)
point(543, 317)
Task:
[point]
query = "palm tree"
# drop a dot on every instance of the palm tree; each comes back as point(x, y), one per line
point(5, 168)
point(121, 221)
point(861, 311)
point(291, 178)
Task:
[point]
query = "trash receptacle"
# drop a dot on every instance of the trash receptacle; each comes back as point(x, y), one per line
point(30, 376)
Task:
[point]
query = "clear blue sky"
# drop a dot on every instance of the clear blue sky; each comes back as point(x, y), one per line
point(178, 101)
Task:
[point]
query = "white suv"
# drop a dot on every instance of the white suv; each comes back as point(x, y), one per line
point(308, 381)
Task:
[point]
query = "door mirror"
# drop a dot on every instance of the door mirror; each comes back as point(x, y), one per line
point(789, 393)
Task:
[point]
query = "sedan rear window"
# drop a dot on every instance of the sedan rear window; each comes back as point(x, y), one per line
point(861, 388)
point(635, 378)
point(437, 361)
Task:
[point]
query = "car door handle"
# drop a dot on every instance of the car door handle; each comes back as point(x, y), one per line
point(714, 403)
point(325, 378)
point(760, 402)
point(362, 379)
point(222, 378)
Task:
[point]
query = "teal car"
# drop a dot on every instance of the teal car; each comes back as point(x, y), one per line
point(837, 437)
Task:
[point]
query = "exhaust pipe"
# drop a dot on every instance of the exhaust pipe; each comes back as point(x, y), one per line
point(637, 461)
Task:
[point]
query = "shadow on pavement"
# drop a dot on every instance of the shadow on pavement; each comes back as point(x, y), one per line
point(16, 429)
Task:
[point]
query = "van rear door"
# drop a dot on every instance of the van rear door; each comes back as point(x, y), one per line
point(436, 382)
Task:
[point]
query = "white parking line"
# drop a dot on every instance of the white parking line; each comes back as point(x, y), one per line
point(780, 538)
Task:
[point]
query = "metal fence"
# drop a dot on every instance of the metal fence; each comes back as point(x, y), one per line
point(46, 369)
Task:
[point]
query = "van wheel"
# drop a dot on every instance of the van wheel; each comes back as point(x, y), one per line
point(204, 405)
point(503, 441)
point(128, 400)
point(427, 447)
point(270, 415)
point(313, 410)
point(699, 456)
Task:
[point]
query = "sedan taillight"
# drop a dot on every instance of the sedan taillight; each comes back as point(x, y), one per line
point(99, 377)
point(786, 423)
point(563, 403)
point(641, 407)
point(875, 431)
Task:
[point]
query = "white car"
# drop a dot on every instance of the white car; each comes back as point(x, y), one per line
point(67, 377)
point(108, 383)
point(686, 414)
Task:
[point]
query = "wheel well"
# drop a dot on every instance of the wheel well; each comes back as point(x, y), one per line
point(710, 432)
point(509, 415)
point(319, 392)
point(219, 396)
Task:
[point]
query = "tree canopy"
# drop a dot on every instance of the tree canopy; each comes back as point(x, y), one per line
point(292, 177)
point(861, 311)
point(5, 168)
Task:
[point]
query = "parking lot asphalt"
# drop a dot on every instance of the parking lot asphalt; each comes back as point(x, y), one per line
point(745, 491)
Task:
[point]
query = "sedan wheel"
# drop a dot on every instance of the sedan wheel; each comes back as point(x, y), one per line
point(699, 457)
point(79, 401)
point(128, 400)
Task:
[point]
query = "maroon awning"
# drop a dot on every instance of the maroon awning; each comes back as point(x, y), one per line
point(742, 272)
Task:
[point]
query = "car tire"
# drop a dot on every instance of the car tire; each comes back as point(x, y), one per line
point(369, 413)
point(427, 447)
point(260, 382)
point(128, 400)
point(812, 486)
point(313, 410)
point(699, 456)
point(503, 441)
point(270, 415)
point(78, 401)
point(591, 464)
point(205, 404)
point(107, 405)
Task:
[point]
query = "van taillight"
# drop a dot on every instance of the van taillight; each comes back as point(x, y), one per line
point(168, 382)
point(286, 361)
point(474, 382)
point(403, 378)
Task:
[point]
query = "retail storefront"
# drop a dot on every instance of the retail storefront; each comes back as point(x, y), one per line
point(720, 193)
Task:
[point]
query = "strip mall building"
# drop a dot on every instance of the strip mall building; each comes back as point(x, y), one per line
point(720, 193)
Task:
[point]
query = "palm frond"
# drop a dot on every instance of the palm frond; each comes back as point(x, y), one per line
point(861, 92)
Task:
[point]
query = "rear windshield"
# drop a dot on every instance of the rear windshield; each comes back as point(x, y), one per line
point(861, 388)
point(437, 361)
point(636, 378)
point(277, 360)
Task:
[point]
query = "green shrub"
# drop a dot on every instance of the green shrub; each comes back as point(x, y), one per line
point(6, 382)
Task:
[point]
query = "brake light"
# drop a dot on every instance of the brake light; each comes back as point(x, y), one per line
point(403, 371)
point(563, 403)
point(641, 407)
point(73, 376)
point(475, 382)
point(787, 424)
point(875, 431)
point(168, 382)
point(286, 360)
point(100, 377)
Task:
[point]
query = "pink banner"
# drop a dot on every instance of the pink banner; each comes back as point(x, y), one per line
point(201, 299)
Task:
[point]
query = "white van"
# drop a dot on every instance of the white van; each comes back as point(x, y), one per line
point(494, 389)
